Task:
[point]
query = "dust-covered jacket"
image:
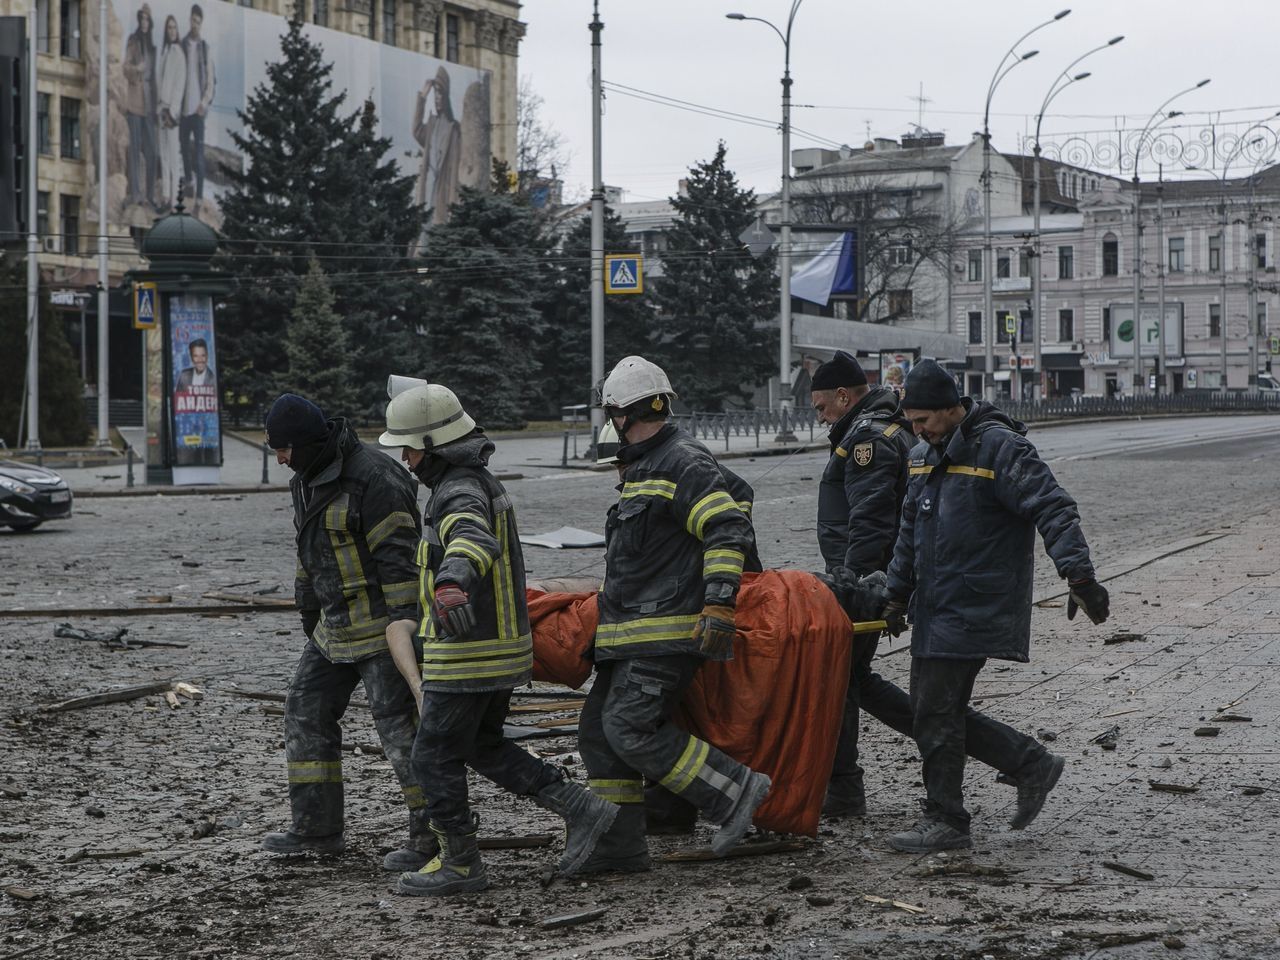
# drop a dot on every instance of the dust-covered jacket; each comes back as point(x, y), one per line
point(357, 522)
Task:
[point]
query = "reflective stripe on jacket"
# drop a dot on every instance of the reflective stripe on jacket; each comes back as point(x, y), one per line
point(357, 527)
point(675, 530)
point(471, 540)
point(965, 548)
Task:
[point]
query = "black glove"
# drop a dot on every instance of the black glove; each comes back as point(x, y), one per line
point(895, 617)
point(453, 610)
point(310, 620)
point(1091, 597)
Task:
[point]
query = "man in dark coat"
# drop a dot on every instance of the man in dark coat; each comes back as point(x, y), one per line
point(962, 569)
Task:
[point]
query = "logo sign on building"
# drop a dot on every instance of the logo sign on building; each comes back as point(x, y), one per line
point(1273, 344)
point(624, 274)
point(1149, 330)
point(146, 306)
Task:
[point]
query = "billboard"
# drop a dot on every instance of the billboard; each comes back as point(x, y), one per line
point(180, 72)
point(1122, 330)
point(894, 367)
point(197, 440)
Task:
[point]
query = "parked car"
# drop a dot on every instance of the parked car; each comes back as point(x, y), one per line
point(1267, 383)
point(30, 495)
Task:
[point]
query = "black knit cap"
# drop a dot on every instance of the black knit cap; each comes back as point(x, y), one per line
point(929, 387)
point(842, 370)
point(295, 421)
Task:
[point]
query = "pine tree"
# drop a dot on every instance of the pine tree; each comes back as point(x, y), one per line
point(317, 184)
point(718, 304)
point(488, 284)
point(318, 348)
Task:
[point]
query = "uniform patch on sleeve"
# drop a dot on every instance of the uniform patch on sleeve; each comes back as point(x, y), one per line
point(862, 453)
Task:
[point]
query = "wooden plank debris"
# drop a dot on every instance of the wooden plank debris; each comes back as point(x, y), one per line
point(761, 849)
point(549, 707)
point(22, 893)
point(248, 599)
point(572, 919)
point(1171, 787)
point(900, 904)
point(1128, 870)
point(112, 696)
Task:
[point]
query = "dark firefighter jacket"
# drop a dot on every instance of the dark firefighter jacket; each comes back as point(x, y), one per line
point(677, 529)
point(964, 553)
point(469, 538)
point(356, 515)
point(862, 487)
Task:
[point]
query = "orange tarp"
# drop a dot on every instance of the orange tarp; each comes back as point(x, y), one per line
point(775, 707)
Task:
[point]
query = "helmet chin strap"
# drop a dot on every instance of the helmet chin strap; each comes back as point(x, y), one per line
point(656, 407)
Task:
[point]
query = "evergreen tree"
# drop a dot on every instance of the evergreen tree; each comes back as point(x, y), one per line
point(488, 283)
point(318, 348)
point(62, 413)
point(718, 304)
point(317, 184)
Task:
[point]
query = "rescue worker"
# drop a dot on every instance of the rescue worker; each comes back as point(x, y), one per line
point(859, 497)
point(357, 522)
point(666, 813)
point(674, 555)
point(476, 645)
point(963, 566)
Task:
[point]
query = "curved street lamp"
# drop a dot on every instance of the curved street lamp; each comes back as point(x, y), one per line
point(1154, 121)
point(1060, 83)
point(784, 251)
point(1002, 70)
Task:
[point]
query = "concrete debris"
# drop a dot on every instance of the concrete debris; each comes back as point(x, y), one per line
point(1107, 740)
point(1124, 637)
point(572, 919)
point(1207, 731)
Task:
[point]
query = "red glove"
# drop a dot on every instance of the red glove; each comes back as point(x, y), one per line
point(453, 610)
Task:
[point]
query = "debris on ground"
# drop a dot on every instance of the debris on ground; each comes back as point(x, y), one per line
point(1207, 731)
point(1171, 787)
point(759, 849)
point(1108, 740)
point(1124, 637)
point(113, 640)
point(572, 919)
point(111, 696)
point(900, 904)
point(1232, 718)
point(1047, 736)
point(1128, 870)
point(965, 870)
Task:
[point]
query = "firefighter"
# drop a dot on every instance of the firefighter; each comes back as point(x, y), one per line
point(356, 516)
point(963, 567)
point(476, 645)
point(675, 551)
point(859, 497)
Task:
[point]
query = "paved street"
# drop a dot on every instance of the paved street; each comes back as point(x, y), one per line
point(167, 865)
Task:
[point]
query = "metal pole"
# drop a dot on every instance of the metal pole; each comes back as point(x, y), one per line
point(33, 242)
point(1137, 277)
point(784, 254)
point(1252, 320)
point(104, 389)
point(597, 219)
point(1036, 267)
point(1222, 305)
point(1162, 372)
point(989, 320)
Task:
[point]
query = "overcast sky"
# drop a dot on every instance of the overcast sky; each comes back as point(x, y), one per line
point(859, 65)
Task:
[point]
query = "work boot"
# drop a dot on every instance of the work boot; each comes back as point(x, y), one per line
point(846, 797)
point(665, 814)
point(623, 849)
point(731, 831)
point(457, 868)
point(929, 835)
point(1034, 787)
point(587, 818)
point(417, 854)
point(286, 841)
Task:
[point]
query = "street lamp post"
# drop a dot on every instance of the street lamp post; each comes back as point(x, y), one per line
point(784, 252)
point(988, 321)
point(1153, 121)
point(1064, 80)
point(1254, 331)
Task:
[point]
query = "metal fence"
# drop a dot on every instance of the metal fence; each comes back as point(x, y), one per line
point(762, 424)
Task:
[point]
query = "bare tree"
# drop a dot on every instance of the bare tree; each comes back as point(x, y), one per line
point(541, 151)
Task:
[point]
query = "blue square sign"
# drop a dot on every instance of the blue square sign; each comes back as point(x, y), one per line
point(624, 274)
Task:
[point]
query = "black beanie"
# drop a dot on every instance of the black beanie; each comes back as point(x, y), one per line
point(294, 421)
point(929, 387)
point(842, 370)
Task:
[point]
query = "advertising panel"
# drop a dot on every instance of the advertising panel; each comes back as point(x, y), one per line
point(894, 367)
point(197, 440)
point(1122, 329)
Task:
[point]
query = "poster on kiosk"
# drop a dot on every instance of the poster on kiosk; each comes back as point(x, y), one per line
point(196, 439)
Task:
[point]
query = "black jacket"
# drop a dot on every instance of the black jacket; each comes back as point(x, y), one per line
point(356, 515)
point(862, 487)
point(469, 538)
point(965, 548)
point(677, 529)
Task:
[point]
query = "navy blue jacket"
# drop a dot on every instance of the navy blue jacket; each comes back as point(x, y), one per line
point(965, 547)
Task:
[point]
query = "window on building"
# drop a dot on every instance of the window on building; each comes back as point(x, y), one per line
point(320, 12)
point(70, 22)
point(975, 264)
point(70, 224)
point(1215, 253)
point(901, 255)
point(1066, 326)
point(70, 142)
point(900, 303)
point(245, 3)
point(1025, 327)
point(1110, 257)
point(1024, 263)
point(1075, 185)
point(975, 326)
point(1002, 264)
point(1177, 254)
point(1260, 320)
point(452, 37)
point(42, 26)
point(1066, 263)
point(1260, 249)
point(44, 130)
point(1215, 319)
point(1106, 325)
point(373, 20)
point(1002, 326)
point(42, 213)
point(389, 21)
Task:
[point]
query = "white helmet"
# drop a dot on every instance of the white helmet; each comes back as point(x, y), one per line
point(432, 412)
point(634, 378)
point(607, 443)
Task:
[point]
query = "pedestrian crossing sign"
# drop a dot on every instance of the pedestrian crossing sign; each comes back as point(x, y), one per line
point(146, 299)
point(624, 274)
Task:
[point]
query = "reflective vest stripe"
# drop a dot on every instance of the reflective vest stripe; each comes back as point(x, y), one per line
point(650, 488)
point(973, 472)
point(687, 767)
point(472, 551)
point(618, 791)
point(841, 452)
point(706, 508)
point(916, 471)
point(315, 771)
point(400, 594)
point(447, 523)
point(477, 649)
point(504, 583)
point(414, 798)
point(722, 561)
point(646, 630)
point(387, 526)
point(480, 669)
point(893, 428)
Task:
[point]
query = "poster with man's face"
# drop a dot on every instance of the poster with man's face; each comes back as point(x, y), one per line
point(894, 367)
point(193, 362)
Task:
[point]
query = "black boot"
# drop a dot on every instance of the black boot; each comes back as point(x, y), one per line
point(586, 819)
point(457, 868)
point(288, 842)
point(846, 797)
point(739, 821)
point(415, 855)
point(1033, 789)
point(623, 849)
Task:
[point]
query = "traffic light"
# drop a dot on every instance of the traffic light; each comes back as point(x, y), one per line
point(14, 127)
